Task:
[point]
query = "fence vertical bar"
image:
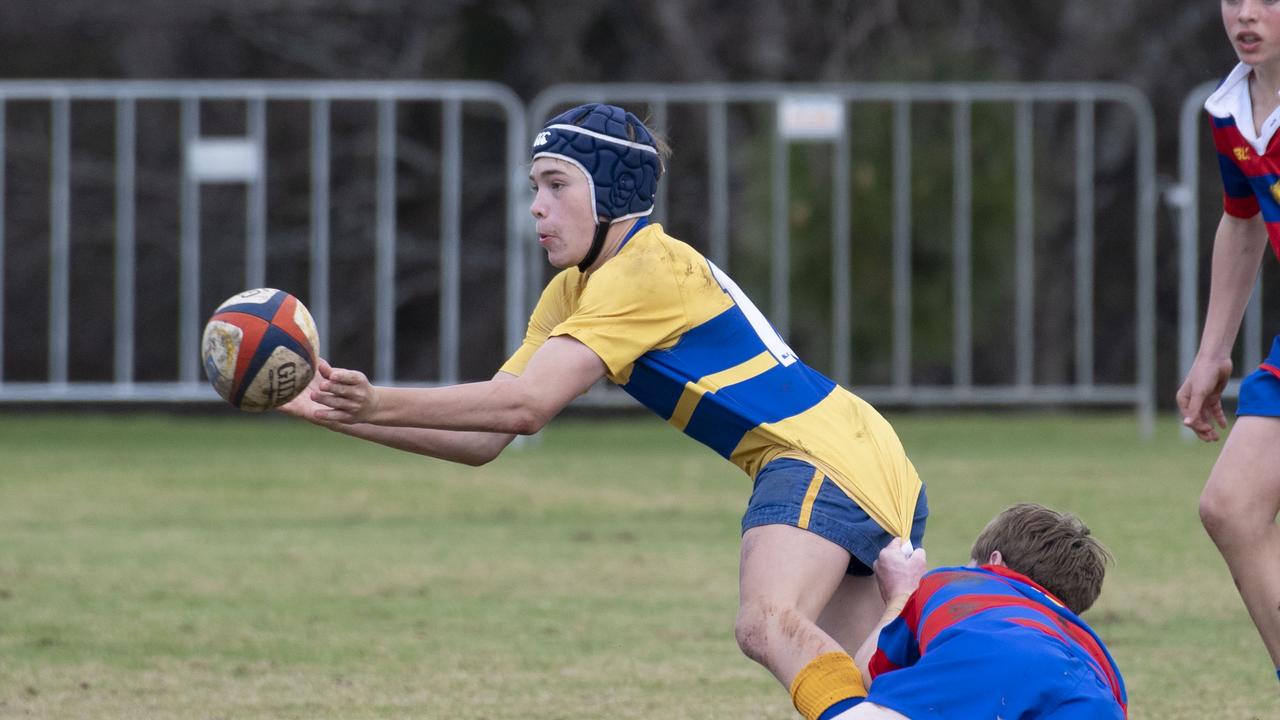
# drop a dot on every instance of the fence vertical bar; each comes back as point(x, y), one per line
point(1251, 350)
point(385, 254)
point(902, 243)
point(318, 302)
point(517, 265)
point(3, 190)
point(189, 253)
point(255, 265)
point(962, 243)
point(841, 292)
point(450, 239)
point(718, 162)
point(780, 267)
point(1024, 253)
point(659, 123)
point(1084, 243)
point(59, 239)
point(1183, 197)
point(1145, 258)
point(126, 242)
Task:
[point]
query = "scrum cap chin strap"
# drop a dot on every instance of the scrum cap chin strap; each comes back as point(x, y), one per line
point(597, 244)
point(619, 157)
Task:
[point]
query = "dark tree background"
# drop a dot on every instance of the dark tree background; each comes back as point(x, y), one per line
point(1163, 49)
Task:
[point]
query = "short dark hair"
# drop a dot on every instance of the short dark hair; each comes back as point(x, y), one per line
point(1054, 549)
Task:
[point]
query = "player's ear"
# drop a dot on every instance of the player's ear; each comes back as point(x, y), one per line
point(996, 559)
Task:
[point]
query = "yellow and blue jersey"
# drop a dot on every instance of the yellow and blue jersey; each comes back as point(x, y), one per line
point(677, 333)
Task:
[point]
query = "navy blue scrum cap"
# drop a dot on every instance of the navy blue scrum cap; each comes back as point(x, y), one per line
point(622, 167)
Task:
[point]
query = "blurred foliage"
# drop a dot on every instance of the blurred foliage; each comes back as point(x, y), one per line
point(528, 45)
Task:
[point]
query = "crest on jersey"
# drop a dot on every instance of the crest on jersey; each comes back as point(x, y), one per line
point(1242, 153)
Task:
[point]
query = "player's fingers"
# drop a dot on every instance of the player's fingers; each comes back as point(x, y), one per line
point(1205, 431)
point(331, 415)
point(1192, 405)
point(328, 400)
point(1220, 415)
point(347, 377)
point(325, 368)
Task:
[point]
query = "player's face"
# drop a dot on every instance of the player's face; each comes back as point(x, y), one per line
point(1253, 26)
point(562, 211)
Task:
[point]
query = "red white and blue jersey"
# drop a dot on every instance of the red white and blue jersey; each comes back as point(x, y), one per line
point(1247, 156)
point(989, 642)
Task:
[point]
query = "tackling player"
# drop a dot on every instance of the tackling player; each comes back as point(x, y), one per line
point(1242, 496)
point(832, 484)
point(1000, 640)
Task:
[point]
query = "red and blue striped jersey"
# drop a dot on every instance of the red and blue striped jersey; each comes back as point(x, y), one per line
point(965, 604)
point(1248, 159)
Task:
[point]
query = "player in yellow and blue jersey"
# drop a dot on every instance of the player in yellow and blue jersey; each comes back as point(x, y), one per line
point(832, 484)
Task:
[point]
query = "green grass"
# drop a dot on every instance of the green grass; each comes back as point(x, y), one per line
point(172, 567)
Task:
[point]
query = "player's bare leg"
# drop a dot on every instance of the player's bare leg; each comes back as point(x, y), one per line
point(853, 611)
point(786, 578)
point(1238, 508)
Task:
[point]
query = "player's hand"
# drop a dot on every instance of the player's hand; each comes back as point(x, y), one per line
point(898, 574)
point(302, 406)
point(347, 396)
point(1200, 397)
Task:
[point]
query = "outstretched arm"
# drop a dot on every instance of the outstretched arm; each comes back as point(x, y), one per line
point(345, 400)
point(468, 448)
point(898, 576)
point(1238, 246)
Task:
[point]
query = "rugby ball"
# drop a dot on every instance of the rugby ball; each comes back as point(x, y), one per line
point(260, 349)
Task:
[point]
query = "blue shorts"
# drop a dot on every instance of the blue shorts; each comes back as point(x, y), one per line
point(1013, 673)
point(779, 498)
point(1260, 391)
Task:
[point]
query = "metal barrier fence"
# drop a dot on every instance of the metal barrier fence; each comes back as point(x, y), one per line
point(803, 114)
point(817, 113)
point(1186, 198)
point(242, 159)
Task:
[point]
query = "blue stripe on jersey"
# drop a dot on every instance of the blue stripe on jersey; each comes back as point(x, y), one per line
point(720, 343)
point(834, 711)
point(898, 643)
point(1227, 121)
point(722, 418)
point(1234, 181)
point(266, 310)
point(655, 385)
point(271, 339)
point(1262, 189)
point(659, 376)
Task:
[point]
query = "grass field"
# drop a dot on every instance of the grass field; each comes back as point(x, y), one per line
point(246, 567)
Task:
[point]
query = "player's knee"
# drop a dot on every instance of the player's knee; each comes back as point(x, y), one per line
point(761, 625)
point(1222, 515)
point(751, 629)
point(764, 626)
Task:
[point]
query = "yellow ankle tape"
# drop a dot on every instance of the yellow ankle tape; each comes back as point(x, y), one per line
point(825, 681)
